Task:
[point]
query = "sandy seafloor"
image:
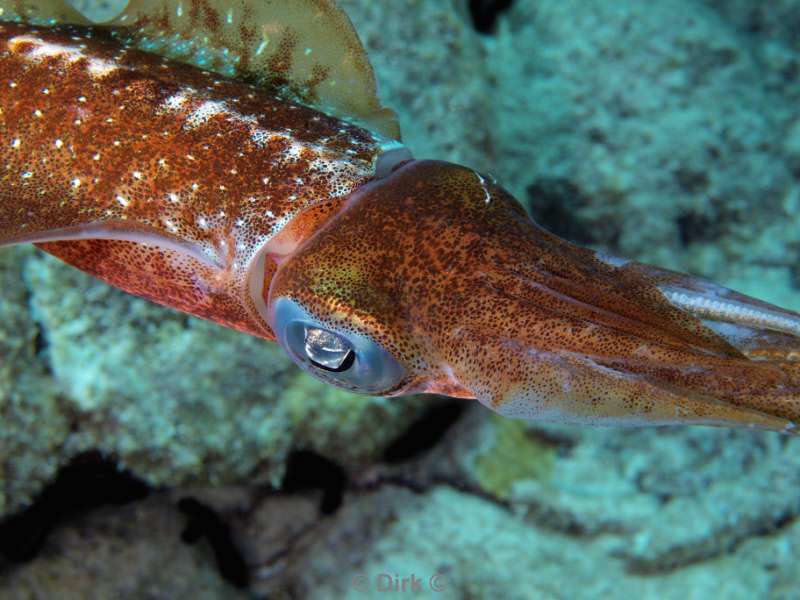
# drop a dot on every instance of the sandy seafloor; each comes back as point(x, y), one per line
point(666, 131)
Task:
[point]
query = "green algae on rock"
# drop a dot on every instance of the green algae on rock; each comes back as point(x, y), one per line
point(511, 454)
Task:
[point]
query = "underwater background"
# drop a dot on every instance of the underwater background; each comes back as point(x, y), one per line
point(667, 132)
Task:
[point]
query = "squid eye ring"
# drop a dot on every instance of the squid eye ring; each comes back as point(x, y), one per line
point(342, 357)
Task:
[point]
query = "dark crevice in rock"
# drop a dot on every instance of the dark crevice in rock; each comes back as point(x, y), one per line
point(484, 13)
point(306, 470)
point(471, 490)
point(40, 345)
point(548, 516)
point(411, 484)
point(40, 341)
point(88, 482)
point(556, 204)
point(694, 227)
point(203, 522)
point(424, 433)
point(720, 542)
point(691, 180)
point(419, 487)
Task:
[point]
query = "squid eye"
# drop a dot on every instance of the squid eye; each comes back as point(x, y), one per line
point(328, 350)
point(347, 359)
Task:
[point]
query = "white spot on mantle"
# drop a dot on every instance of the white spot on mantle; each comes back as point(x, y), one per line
point(70, 54)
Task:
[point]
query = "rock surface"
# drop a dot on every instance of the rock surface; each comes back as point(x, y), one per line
point(129, 552)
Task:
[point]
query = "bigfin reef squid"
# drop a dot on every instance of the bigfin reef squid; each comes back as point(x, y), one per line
point(231, 159)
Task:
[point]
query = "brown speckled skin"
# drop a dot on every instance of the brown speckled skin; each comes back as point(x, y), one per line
point(445, 270)
point(92, 133)
point(435, 263)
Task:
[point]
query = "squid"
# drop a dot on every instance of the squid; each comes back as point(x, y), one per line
point(231, 159)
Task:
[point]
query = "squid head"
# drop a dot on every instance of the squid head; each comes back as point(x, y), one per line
point(434, 279)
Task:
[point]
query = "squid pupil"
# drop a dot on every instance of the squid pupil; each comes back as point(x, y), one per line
point(328, 351)
point(346, 363)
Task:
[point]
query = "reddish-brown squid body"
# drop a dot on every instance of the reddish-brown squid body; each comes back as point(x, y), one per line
point(256, 181)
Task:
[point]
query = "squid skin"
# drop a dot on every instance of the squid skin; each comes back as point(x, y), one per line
point(446, 271)
point(207, 194)
point(167, 181)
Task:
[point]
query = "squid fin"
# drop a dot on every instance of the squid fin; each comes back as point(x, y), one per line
point(306, 48)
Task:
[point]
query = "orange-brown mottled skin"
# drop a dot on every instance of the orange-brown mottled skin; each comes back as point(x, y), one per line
point(92, 133)
point(231, 202)
point(526, 322)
